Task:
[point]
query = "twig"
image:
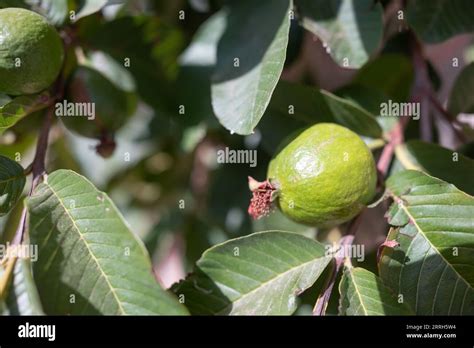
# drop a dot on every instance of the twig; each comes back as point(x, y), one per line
point(396, 138)
point(421, 88)
point(447, 117)
point(347, 240)
point(37, 169)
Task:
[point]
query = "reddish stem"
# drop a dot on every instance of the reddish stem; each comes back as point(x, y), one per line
point(38, 170)
point(347, 240)
point(447, 117)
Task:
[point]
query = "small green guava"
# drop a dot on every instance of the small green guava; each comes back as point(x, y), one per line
point(111, 107)
point(322, 178)
point(31, 52)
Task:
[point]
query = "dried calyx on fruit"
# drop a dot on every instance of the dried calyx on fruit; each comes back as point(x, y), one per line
point(324, 177)
point(263, 194)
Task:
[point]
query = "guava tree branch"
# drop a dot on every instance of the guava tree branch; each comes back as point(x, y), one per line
point(447, 117)
point(347, 240)
point(37, 169)
point(395, 138)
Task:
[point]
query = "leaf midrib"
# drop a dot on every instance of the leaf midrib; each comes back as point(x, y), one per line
point(412, 218)
point(13, 178)
point(240, 298)
point(359, 295)
point(104, 275)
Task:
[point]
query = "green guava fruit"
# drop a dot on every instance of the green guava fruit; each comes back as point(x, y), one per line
point(88, 90)
point(322, 178)
point(31, 52)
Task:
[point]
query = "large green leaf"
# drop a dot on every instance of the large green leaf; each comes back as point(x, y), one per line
point(311, 105)
point(445, 164)
point(257, 36)
point(351, 29)
point(351, 115)
point(19, 107)
point(438, 20)
point(390, 74)
point(259, 274)
point(88, 254)
point(23, 297)
point(433, 266)
point(370, 99)
point(461, 99)
point(12, 183)
point(363, 293)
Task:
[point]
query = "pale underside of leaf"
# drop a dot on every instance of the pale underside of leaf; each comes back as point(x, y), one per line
point(363, 293)
point(23, 298)
point(351, 30)
point(241, 94)
point(271, 269)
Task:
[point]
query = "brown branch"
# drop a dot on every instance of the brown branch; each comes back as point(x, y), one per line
point(447, 117)
point(37, 170)
point(323, 299)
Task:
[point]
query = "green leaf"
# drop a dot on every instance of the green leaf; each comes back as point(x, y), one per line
point(256, 35)
point(23, 297)
point(390, 74)
point(19, 107)
point(363, 293)
point(259, 274)
point(4, 99)
point(461, 99)
point(351, 29)
point(56, 11)
point(352, 115)
point(113, 70)
point(311, 105)
point(193, 86)
point(202, 51)
point(370, 99)
point(12, 183)
point(445, 164)
point(87, 252)
point(88, 7)
point(438, 20)
point(432, 267)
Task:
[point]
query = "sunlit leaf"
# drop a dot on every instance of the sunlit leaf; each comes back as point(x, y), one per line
point(260, 274)
point(432, 267)
point(363, 293)
point(247, 71)
point(86, 250)
point(351, 30)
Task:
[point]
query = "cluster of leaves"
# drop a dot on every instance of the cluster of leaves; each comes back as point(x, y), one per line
point(208, 75)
